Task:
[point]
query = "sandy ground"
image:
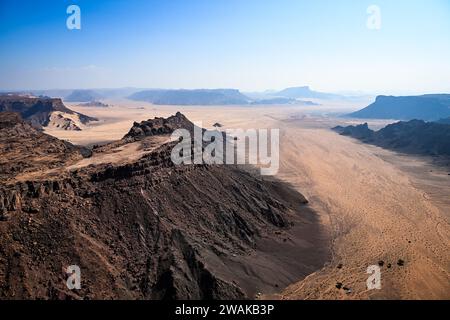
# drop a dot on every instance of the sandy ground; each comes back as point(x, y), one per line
point(375, 212)
point(377, 205)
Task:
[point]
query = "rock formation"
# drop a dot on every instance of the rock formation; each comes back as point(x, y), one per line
point(38, 110)
point(146, 229)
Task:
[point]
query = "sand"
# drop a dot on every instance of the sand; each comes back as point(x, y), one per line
point(375, 213)
point(376, 205)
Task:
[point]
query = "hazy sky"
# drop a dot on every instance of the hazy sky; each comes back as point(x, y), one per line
point(246, 44)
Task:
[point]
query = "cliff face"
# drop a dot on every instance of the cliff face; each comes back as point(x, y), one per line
point(38, 111)
point(151, 230)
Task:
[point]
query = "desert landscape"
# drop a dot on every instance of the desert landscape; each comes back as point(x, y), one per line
point(377, 206)
point(260, 153)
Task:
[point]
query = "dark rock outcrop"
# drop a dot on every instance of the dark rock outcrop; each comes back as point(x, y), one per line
point(158, 126)
point(413, 137)
point(361, 131)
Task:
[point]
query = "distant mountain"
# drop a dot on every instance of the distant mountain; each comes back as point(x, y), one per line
point(191, 97)
point(118, 93)
point(54, 93)
point(43, 111)
point(83, 96)
point(280, 100)
point(305, 92)
point(290, 96)
point(414, 137)
point(427, 107)
point(112, 93)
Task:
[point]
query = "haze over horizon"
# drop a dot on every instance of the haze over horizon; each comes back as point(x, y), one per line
point(249, 45)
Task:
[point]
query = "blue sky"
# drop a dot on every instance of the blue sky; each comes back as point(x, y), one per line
point(247, 44)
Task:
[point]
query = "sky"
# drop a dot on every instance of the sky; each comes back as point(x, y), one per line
point(252, 45)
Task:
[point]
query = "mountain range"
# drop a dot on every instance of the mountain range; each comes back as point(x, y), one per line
point(290, 96)
point(192, 97)
point(86, 95)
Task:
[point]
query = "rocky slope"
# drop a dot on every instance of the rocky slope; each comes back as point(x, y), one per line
point(150, 230)
point(158, 126)
point(414, 137)
point(39, 111)
point(25, 149)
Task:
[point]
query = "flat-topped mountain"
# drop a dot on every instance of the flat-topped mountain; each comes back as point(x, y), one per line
point(305, 92)
point(414, 137)
point(192, 97)
point(143, 228)
point(283, 101)
point(427, 107)
point(43, 111)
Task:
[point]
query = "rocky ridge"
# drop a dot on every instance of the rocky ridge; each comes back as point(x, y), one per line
point(150, 230)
